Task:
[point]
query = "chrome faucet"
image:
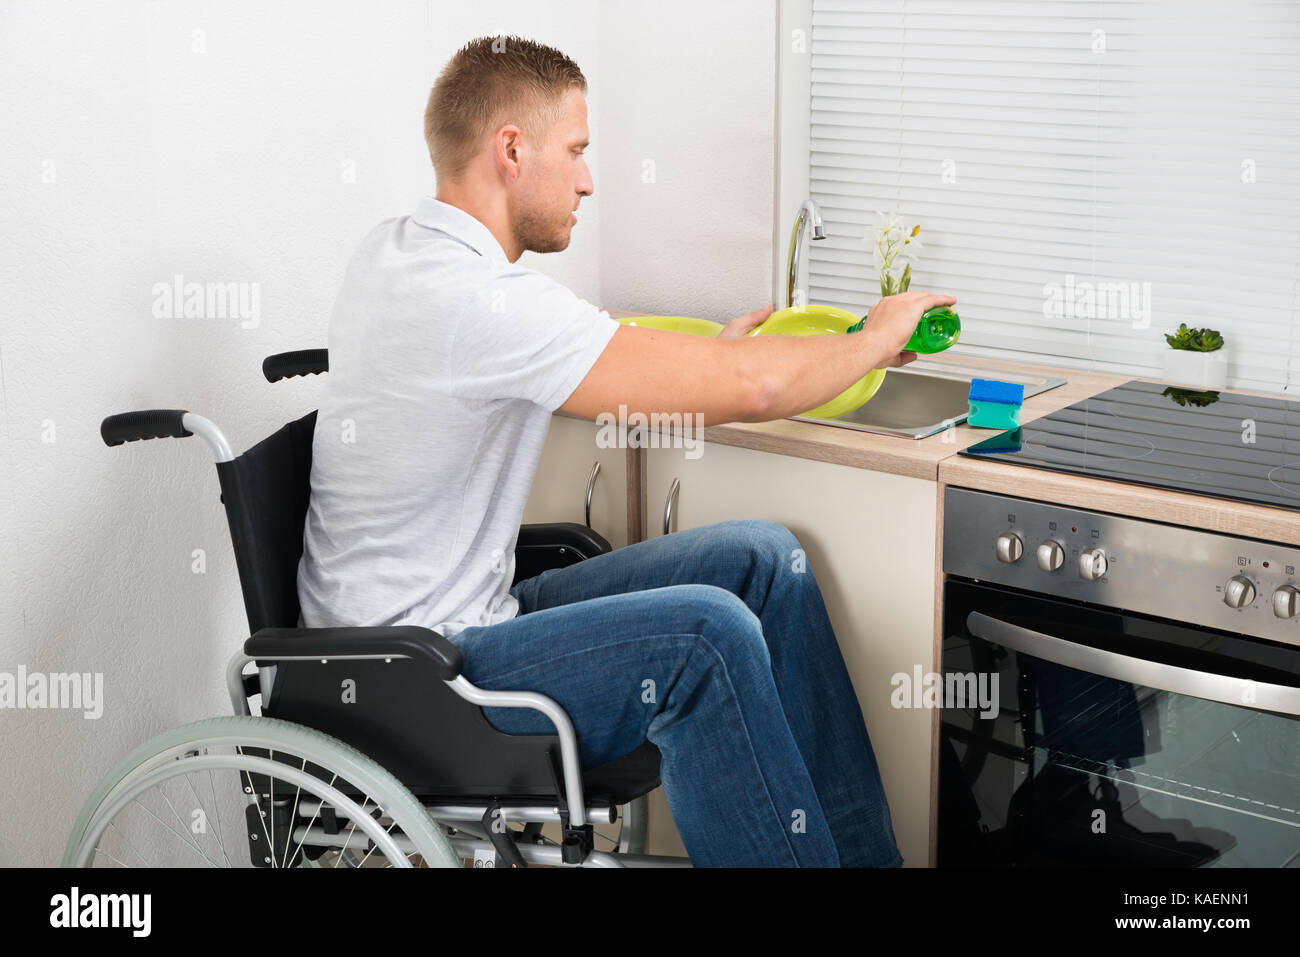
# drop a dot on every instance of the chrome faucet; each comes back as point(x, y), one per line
point(808, 209)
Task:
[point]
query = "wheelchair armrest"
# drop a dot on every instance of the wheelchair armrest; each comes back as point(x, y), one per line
point(585, 541)
point(411, 641)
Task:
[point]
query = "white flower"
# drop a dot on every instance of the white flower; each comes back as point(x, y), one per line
point(911, 250)
point(887, 229)
point(891, 242)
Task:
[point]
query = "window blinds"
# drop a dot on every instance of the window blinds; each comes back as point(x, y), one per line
point(1087, 175)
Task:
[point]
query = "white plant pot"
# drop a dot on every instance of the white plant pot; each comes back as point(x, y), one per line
point(1198, 370)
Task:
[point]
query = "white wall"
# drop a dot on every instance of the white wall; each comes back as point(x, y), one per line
point(691, 88)
point(218, 155)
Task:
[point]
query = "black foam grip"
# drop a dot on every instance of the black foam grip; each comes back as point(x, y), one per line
point(286, 365)
point(146, 424)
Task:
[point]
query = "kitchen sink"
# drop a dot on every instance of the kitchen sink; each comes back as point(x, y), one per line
point(925, 397)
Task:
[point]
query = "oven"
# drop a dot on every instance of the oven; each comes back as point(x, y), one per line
point(1114, 692)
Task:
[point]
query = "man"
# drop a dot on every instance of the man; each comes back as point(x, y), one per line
point(446, 363)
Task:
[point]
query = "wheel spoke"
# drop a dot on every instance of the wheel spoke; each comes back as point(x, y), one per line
point(216, 807)
point(179, 836)
point(314, 816)
point(181, 822)
point(109, 856)
point(292, 818)
point(220, 843)
point(129, 844)
point(352, 826)
point(389, 832)
point(271, 848)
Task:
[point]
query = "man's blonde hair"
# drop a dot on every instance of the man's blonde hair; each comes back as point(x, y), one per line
point(490, 82)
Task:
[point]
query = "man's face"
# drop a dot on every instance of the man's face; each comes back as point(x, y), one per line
point(553, 181)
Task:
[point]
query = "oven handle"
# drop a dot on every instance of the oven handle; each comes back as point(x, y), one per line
point(1152, 674)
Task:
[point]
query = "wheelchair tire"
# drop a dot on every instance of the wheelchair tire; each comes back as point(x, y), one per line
point(186, 750)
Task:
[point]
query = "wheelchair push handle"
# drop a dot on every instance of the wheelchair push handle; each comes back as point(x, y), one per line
point(146, 424)
point(164, 424)
point(286, 365)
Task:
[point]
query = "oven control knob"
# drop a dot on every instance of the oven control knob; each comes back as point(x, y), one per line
point(1010, 548)
point(1239, 592)
point(1092, 564)
point(1051, 555)
point(1286, 601)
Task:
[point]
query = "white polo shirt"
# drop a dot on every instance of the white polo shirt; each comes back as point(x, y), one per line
point(446, 362)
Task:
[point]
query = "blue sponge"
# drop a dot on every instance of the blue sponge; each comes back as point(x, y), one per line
point(991, 390)
point(994, 404)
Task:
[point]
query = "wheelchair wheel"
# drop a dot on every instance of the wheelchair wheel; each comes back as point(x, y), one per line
point(244, 791)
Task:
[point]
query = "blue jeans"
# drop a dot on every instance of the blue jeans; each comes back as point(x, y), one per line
point(713, 643)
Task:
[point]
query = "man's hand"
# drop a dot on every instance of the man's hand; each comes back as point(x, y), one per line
point(737, 328)
point(893, 319)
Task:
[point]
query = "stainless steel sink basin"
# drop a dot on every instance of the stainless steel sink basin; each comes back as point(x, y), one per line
point(925, 397)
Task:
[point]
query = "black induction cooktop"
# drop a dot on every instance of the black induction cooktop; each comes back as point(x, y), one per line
point(1221, 444)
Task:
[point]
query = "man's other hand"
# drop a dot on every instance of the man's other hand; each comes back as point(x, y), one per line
point(741, 325)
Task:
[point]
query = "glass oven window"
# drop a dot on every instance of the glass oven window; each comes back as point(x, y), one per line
point(1083, 769)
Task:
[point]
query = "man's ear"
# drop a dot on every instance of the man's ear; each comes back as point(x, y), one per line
point(509, 141)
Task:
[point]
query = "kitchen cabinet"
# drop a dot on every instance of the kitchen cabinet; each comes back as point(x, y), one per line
point(559, 491)
point(870, 539)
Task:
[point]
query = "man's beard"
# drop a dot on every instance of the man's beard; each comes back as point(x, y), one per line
point(539, 234)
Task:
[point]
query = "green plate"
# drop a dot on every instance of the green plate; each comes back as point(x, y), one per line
point(814, 320)
point(688, 324)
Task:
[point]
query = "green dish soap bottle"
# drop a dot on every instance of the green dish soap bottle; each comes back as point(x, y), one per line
point(939, 328)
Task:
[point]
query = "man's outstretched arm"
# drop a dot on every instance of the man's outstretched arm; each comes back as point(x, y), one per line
point(747, 379)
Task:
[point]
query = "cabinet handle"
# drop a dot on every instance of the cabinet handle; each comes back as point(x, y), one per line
point(591, 484)
point(668, 505)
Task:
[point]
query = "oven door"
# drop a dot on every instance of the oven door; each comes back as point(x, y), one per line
point(1074, 735)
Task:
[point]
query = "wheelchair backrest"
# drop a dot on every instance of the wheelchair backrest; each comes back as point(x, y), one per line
point(266, 491)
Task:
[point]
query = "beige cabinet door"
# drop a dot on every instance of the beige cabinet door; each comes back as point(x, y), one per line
point(870, 539)
point(559, 492)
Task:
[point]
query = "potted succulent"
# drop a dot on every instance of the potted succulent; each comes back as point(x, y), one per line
point(1196, 357)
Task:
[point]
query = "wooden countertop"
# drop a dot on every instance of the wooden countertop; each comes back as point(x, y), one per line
point(935, 458)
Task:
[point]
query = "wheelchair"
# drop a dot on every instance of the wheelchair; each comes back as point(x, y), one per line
point(369, 746)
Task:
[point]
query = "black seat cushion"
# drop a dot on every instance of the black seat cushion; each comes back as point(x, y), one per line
point(625, 778)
